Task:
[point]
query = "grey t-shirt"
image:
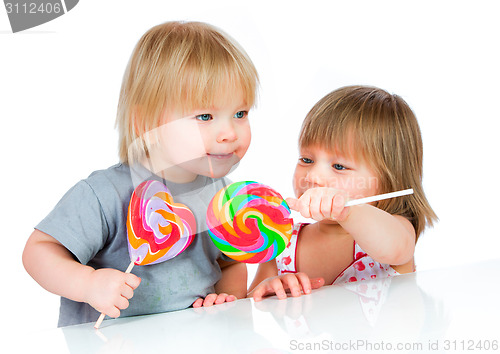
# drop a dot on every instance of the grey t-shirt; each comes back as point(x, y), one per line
point(90, 221)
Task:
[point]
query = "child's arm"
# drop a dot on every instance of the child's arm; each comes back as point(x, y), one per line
point(56, 270)
point(387, 238)
point(234, 278)
point(231, 286)
point(264, 271)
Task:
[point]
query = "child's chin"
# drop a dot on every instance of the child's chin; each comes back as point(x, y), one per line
point(216, 173)
point(221, 170)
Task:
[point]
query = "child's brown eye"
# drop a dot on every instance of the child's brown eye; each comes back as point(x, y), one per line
point(338, 167)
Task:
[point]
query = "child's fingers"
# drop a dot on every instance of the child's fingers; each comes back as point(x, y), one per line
point(209, 300)
point(276, 286)
point(132, 280)
point(338, 204)
point(229, 298)
point(304, 205)
point(269, 287)
point(317, 283)
point(126, 291)
point(113, 309)
point(122, 303)
point(327, 204)
point(295, 283)
point(316, 203)
point(259, 292)
point(198, 303)
point(292, 283)
point(320, 203)
point(292, 203)
point(305, 283)
point(315, 207)
point(223, 297)
point(113, 312)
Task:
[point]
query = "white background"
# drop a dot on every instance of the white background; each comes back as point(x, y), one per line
point(59, 86)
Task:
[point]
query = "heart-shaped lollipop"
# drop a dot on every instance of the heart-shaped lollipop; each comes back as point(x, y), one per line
point(249, 222)
point(157, 228)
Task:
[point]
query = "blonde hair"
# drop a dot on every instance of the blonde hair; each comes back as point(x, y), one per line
point(177, 66)
point(371, 125)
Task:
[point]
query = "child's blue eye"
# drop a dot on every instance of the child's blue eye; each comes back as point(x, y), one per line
point(338, 167)
point(204, 117)
point(306, 160)
point(241, 114)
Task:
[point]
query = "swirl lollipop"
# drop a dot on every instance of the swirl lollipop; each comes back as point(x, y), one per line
point(157, 228)
point(249, 222)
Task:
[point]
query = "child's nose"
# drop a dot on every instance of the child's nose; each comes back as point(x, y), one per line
point(315, 177)
point(226, 133)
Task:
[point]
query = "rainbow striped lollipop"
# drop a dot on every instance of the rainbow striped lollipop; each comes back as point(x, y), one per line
point(249, 222)
point(157, 228)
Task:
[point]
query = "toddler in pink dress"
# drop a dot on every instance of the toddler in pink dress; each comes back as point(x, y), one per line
point(356, 142)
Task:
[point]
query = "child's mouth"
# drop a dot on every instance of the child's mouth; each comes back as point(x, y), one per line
point(221, 156)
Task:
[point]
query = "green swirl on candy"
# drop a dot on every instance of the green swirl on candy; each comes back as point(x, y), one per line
point(249, 222)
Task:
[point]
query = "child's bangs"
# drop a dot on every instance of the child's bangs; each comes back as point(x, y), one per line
point(209, 88)
point(203, 81)
point(344, 136)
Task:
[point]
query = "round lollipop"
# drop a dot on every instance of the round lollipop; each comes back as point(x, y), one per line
point(249, 222)
point(157, 228)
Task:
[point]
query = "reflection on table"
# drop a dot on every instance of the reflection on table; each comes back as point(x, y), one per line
point(431, 311)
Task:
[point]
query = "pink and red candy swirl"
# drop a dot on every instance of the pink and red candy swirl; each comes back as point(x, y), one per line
point(158, 229)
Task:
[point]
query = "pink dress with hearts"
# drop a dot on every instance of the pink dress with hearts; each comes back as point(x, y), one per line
point(363, 267)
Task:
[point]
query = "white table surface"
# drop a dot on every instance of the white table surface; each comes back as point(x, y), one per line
point(438, 311)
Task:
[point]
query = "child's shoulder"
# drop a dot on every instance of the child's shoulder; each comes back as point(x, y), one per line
point(112, 182)
point(117, 171)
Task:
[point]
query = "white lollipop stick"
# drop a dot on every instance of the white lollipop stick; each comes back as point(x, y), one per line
point(378, 197)
point(101, 318)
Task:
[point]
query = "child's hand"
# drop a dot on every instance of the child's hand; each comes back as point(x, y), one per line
point(294, 282)
point(321, 203)
point(108, 290)
point(213, 299)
